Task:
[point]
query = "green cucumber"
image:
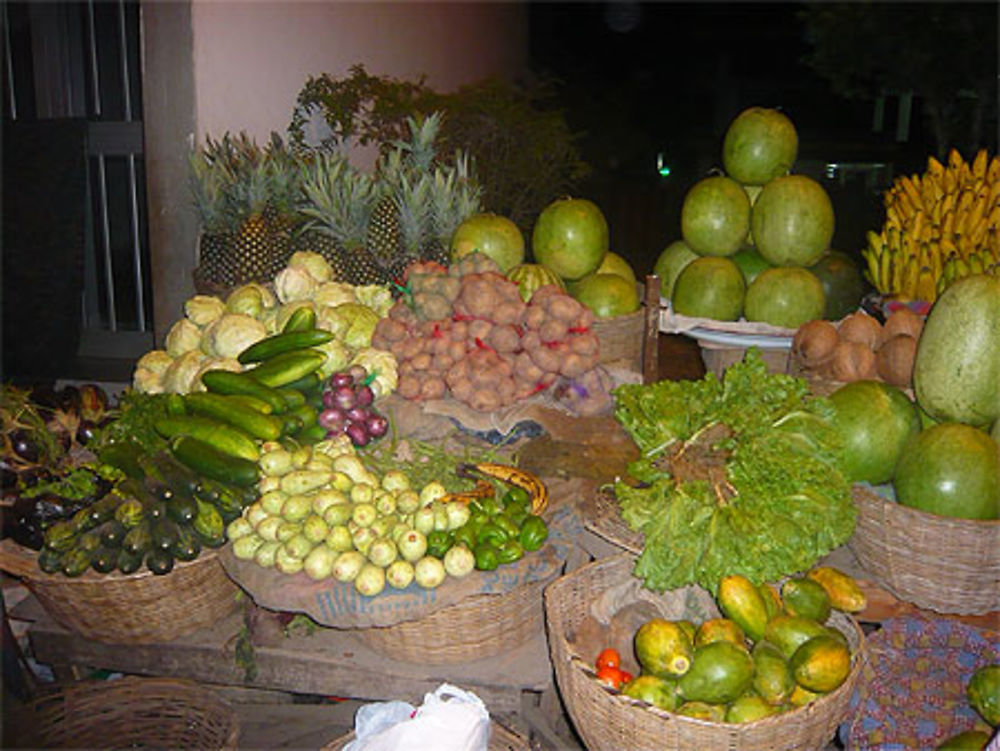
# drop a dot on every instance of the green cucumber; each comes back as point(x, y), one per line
point(123, 455)
point(222, 437)
point(313, 434)
point(163, 533)
point(227, 382)
point(209, 462)
point(287, 367)
point(175, 405)
point(293, 398)
point(187, 546)
point(278, 344)
point(222, 407)
point(160, 561)
point(182, 509)
point(104, 559)
point(128, 563)
point(310, 385)
point(301, 319)
point(251, 402)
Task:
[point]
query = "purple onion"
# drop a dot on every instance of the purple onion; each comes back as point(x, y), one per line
point(356, 414)
point(341, 378)
point(358, 434)
point(358, 373)
point(364, 395)
point(328, 399)
point(377, 425)
point(343, 397)
point(332, 419)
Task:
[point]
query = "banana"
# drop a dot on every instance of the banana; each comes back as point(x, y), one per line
point(935, 168)
point(517, 477)
point(955, 160)
point(483, 489)
point(975, 263)
point(979, 163)
point(925, 287)
point(993, 171)
point(910, 187)
point(885, 273)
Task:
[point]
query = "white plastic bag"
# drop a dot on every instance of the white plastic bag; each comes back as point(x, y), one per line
point(450, 719)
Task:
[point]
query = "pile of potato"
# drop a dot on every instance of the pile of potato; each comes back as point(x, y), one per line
point(859, 347)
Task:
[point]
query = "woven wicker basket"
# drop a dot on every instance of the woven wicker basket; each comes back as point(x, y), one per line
point(621, 339)
point(947, 565)
point(501, 739)
point(131, 712)
point(474, 629)
point(138, 608)
point(608, 721)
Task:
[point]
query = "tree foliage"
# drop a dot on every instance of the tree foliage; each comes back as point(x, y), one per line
point(524, 152)
point(945, 53)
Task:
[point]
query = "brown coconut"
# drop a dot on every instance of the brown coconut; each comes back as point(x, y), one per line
point(861, 327)
point(894, 360)
point(814, 343)
point(851, 361)
point(902, 321)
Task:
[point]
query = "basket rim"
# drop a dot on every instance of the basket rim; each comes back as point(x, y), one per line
point(867, 496)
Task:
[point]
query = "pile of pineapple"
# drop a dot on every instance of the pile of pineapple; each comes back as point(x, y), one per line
point(259, 205)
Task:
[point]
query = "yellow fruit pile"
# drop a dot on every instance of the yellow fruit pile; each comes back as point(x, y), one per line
point(939, 227)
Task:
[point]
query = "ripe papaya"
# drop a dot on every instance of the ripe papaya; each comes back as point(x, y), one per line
point(703, 711)
point(740, 601)
point(718, 629)
point(660, 692)
point(772, 600)
point(748, 708)
point(772, 678)
point(663, 648)
point(789, 632)
point(821, 664)
point(843, 591)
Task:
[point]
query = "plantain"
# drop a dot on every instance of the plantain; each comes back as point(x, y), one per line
point(520, 478)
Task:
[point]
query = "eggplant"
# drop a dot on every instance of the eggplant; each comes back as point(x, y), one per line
point(85, 432)
point(24, 445)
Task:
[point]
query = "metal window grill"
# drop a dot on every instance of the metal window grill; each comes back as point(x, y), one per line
point(82, 60)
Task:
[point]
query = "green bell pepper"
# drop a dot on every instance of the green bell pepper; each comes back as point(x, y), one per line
point(487, 556)
point(510, 551)
point(518, 496)
point(439, 542)
point(465, 535)
point(508, 525)
point(493, 533)
point(534, 533)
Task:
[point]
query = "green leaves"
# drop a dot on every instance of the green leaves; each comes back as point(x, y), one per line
point(781, 501)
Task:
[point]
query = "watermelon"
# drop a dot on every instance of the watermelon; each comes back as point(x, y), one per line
point(530, 276)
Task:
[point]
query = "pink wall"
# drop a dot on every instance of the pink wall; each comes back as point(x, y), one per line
point(252, 58)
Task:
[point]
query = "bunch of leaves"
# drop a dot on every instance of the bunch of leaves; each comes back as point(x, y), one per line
point(134, 420)
point(20, 414)
point(738, 475)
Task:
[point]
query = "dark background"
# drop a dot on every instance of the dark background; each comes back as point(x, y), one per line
point(640, 79)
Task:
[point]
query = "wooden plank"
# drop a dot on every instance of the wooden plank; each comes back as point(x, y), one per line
point(328, 662)
point(651, 330)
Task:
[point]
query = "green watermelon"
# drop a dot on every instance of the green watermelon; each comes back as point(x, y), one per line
point(530, 276)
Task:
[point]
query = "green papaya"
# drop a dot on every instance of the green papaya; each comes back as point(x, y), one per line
point(719, 672)
point(806, 598)
point(983, 693)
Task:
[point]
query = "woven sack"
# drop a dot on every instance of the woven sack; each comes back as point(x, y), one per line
point(139, 608)
point(934, 562)
point(130, 712)
point(610, 721)
point(501, 739)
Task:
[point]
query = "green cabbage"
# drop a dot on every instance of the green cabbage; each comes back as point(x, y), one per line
point(250, 299)
point(313, 263)
point(183, 336)
point(233, 333)
point(352, 323)
point(293, 284)
point(202, 310)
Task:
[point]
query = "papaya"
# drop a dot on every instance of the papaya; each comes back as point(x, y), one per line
point(801, 696)
point(701, 710)
point(719, 672)
point(821, 664)
point(748, 708)
point(983, 693)
point(844, 593)
point(663, 648)
point(970, 740)
point(772, 600)
point(772, 677)
point(660, 692)
point(956, 370)
point(807, 598)
point(717, 629)
point(788, 632)
point(741, 602)
point(688, 628)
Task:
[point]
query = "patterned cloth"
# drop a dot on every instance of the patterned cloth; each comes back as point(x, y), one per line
point(912, 690)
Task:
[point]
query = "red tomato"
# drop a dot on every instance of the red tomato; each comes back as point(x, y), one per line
point(626, 676)
point(610, 676)
point(608, 658)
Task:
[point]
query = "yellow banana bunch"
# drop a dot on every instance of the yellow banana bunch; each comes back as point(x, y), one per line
point(939, 226)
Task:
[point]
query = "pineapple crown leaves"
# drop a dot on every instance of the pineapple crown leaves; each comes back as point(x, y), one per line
point(339, 199)
point(414, 205)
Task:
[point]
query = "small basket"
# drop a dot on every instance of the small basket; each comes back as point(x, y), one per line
point(473, 629)
point(934, 562)
point(139, 608)
point(130, 712)
point(501, 739)
point(609, 721)
point(621, 339)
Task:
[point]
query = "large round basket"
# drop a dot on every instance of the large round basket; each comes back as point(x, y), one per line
point(621, 339)
point(137, 608)
point(501, 739)
point(934, 562)
point(130, 712)
point(609, 721)
point(474, 629)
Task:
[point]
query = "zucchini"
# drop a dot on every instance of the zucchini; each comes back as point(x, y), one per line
point(138, 540)
point(310, 385)
point(293, 398)
point(301, 319)
point(209, 462)
point(187, 547)
point(182, 509)
point(60, 536)
point(49, 561)
point(128, 563)
point(287, 367)
point(313, 434)
point(89, 541)
point(306, 413)
point(103, 510)
point(222, 437)
point(278, 344)
point(160, 561)
point(208, 523)
point(104, 560)
point(112, 533)
point(124, 456)
point(227, 382)
point(82, 520)
point(163, 533)
point(76, 561)
point(222, 407)
point(130, 513)
point(180, 479)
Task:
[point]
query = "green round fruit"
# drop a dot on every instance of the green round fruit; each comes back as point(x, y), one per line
point(967, 740)
point(660, 692)
point(760, 145)
point(715, 217)
point(983, 693)
point(710, 287)
point(792, 221)
point(663, 648)
point(842, 283)
point(670, 264)
point(719, 673)
point(950, 469)
point(785, 296)
point(607, 295)
point(751, 263)
point(570, 237)
point(530, 276)
point(875, 421)
point(615, 264)
point(492, 235)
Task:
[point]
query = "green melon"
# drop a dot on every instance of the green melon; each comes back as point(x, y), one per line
point(956, 373)
point(530, 276)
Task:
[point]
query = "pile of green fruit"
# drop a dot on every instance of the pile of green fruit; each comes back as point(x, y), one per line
point(321, 511)
point(770, 653)
point(983, 694)
point(161, 513)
